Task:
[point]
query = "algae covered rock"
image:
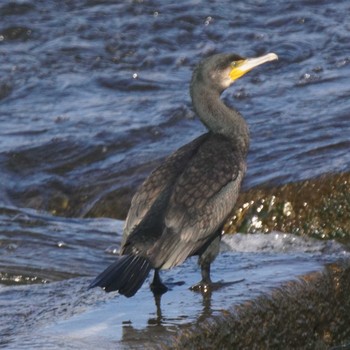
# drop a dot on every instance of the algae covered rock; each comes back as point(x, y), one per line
point(318, 207)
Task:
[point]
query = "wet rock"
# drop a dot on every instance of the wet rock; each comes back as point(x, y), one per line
point(15, 33)
point(312, 313)
point(318, 207)
point(5, 90)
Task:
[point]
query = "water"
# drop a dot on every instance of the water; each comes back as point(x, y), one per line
point(94, 94)
point(66, 315)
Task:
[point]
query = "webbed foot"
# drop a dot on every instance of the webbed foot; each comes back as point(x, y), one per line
point(203, 287)
point(157, 286)
point(206, 287)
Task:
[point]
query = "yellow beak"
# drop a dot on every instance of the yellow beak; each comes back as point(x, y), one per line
point(240, 68)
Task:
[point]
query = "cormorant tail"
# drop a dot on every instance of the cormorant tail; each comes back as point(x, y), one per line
point(126, 275)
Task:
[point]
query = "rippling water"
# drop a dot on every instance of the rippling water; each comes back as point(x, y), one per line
point(93, 94)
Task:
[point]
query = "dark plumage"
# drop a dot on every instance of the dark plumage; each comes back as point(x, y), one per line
point(181, 207)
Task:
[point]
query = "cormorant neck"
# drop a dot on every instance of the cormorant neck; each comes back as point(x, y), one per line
point(219, 118)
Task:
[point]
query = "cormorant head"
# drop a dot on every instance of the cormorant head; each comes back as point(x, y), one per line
point(221, 70)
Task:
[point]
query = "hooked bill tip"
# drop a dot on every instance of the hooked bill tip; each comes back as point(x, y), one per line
point(271, 56)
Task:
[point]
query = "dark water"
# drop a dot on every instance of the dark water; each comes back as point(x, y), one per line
point(93, 94)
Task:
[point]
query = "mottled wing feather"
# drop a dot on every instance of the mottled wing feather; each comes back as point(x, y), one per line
point(203, 196)
point(158, 181)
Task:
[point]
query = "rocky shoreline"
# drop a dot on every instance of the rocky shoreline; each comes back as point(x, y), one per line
point(312, 313)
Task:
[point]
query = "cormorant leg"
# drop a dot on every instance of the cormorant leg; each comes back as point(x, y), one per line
point(205, 259)
point(205, 284)
point(157, 287)
point(205, 271)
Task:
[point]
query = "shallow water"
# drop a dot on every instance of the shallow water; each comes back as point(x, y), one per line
point(67, 315)
point(93, 94)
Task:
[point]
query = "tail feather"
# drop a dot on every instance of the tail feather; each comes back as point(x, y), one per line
point(126, 275)
point(136, 280)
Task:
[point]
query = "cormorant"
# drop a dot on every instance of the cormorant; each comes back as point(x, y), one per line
point(180, 209)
